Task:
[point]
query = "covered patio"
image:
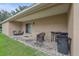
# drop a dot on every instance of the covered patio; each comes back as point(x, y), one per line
point(47, 18)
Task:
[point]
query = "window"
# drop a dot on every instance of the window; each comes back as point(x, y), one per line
point(28, 28)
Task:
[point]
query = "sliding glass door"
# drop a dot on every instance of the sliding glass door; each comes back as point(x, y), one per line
point(28, 28)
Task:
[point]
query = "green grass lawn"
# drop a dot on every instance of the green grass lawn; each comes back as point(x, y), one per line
point(10, 47)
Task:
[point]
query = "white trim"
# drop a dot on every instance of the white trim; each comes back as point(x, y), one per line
point(27, 11)
point(19, 13)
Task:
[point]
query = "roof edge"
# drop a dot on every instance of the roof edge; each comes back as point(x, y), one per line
point(19, 13)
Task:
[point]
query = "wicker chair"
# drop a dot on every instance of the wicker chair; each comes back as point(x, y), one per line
point(40, 39)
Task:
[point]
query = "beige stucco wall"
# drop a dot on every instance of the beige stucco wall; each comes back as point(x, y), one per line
point(9, 27)
point(73, 29)
point(56, 23)
point(15, 26)
point(70, 22)
point(76, 29)
point(5, 28)
point(70, 26)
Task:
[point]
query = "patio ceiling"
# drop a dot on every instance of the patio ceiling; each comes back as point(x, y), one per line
point(49, 11)
point(39, 11)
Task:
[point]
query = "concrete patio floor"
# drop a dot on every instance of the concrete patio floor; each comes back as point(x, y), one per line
point(49, 48)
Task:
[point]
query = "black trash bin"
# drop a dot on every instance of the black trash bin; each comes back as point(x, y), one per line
point(62, 44)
